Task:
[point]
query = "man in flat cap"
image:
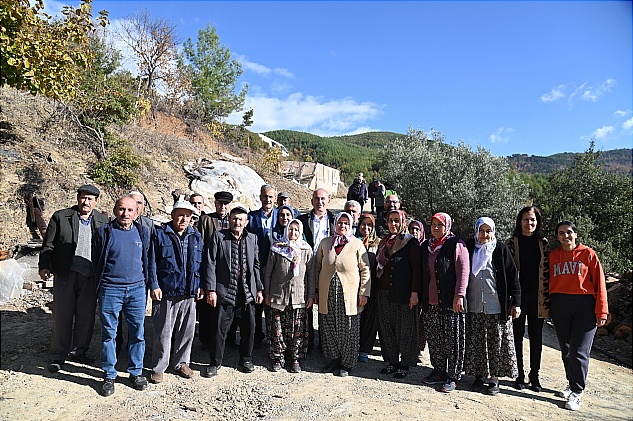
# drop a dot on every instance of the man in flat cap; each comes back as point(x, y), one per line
point(283, 198)
point(174, 290)
point(207, 225)
point(232, 282)
point(66, 252)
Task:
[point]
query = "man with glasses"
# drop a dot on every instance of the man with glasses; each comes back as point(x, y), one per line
point(392, 202)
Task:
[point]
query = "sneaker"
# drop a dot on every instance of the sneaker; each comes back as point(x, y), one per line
point(342, 372)
point(363, 358)
point(565, 393)
point(82, 359)
point(55, 366)
point(185, 371)
point(296, 367)
point(492, 389)
point(138, 382)
point(573, 402)
point(390, 369)
point(210, 371)
point(107, 387)
point(436, 377)
point(478, 385)
point(276, 366)
point(156, 378)
point(449, 385)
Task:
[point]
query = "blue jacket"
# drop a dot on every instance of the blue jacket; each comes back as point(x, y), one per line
point(102, 241)
point(255, 226)
point(171, 277)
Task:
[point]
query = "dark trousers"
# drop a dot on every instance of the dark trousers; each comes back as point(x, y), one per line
point(574, 319)
point(535, 335)
point(221, 318)
point(260, 334)
point(204, 310)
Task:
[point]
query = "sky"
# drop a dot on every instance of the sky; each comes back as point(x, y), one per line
point(515, 77)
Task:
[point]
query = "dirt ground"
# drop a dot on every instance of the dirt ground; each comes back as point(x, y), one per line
point(29, 392)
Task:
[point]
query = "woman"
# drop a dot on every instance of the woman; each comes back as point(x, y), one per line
point(416, 228)
point(530, 251)
point(342, 270)
point(578, 306)
point(366, 231)
point(494, 299)
point(398, 280)
point(284, 216)
point(289, 292)
point(445, 279)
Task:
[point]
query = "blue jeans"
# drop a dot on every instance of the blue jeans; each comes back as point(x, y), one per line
point(132, 301)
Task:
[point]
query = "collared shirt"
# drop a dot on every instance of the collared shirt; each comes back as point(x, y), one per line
point(86, 221)
point(320, 229)
point(482, 292)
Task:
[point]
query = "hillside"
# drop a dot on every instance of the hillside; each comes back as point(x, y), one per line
point(616, 161)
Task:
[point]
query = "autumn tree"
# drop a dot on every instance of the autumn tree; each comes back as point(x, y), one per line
point(43, 55)
point(214, 76)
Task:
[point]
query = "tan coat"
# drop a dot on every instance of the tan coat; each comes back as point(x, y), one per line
point(353, 269)
point(282, 287)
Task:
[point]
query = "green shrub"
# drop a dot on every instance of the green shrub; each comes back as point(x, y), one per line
point(120, 168)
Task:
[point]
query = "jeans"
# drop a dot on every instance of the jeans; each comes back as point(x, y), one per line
point(130, 300)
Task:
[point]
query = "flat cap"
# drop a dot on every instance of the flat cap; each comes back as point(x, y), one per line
point(90, 189)
point(238, 209)
point(284, 195)
point(223, 196)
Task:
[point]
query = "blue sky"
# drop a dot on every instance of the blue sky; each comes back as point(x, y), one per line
point(514, 77)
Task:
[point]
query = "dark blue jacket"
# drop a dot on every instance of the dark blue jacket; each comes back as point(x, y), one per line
point(171, 276)
point(102, 241)
point(256, 226)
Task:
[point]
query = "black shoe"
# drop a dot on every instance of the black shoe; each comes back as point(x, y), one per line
point(246, 367)
point(210, 371)
point(138, 382)
point(492, 389)
point(331, 366)
point(82, 359)
point(535, 385)
point(519, 383)
point(107, 387)
point(401, 373)
point(55, 366)
point(478, 385)
point(390, 369)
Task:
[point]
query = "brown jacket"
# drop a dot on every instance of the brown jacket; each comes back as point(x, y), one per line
point(352, 267)
point(282, 287)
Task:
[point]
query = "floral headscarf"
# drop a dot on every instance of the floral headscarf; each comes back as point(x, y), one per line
point(483, 252)
point(289, 249)
point(372, 239)
point(421, 226)
point(391, 243)
point(338, 238)
point(435, 244)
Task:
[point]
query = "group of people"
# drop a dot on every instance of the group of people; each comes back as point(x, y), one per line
point(468, 300)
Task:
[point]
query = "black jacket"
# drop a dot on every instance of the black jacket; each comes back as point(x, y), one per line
point(306, 220)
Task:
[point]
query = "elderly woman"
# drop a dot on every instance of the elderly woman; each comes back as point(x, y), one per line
point(578, 305)
point(284, 216)
point(368, 321)
point(445, 279)
point(530, 251)
point(289, 291)
point(416, 229)
point(343, 273)
point(494, 299)
point(399, 278)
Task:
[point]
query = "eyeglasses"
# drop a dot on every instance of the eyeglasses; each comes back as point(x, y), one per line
point(437, 226)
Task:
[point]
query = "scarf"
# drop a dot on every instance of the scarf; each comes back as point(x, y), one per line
point(372, 239)
point(421, 225)
point(435, 244)
point(339, 239)
point(289, 249)
point(391, 243)
point(483, 252)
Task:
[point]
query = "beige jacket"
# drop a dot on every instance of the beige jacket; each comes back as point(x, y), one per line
point(352, 267)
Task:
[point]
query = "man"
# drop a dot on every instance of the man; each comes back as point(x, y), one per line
point(317, 224)
point(371, 192)
point(174, 291)
point(379, 196)
point(283, 198)
point(66, 252)
point(140, 207)
point(123, 262)
point(260, 223)
point(231, 282)
point(207, 225)
point(197, 200)
point(353, 208)
point(392, 202)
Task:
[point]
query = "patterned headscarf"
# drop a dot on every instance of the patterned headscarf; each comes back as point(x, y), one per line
point(435, 244)
point(483, 252)
point(338, 238)
point(421, 225)
point(372, 239)
point(390, 244)
point(289, 249)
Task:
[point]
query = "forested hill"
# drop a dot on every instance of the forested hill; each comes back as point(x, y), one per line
point(361, 153)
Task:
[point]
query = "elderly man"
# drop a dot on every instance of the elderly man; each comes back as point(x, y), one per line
point(232, 282)
point(140, 207)
point(392, 202)
point(283, 198)
point(260, 223)
point(207, 225)
point(66, 252)
point(123, 262)
point(174, 291)
point(353, 208)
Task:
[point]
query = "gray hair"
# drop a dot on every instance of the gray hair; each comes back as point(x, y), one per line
point(351, 203)
point(267, 187)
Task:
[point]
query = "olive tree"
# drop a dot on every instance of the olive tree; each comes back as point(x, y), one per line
point(432, 176)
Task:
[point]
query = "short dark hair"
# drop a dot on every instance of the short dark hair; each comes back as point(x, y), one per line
point(539, 220)
point(561, 223)
point(196, 195)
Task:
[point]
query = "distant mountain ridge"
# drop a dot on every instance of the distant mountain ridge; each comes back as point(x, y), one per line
point(361, 153)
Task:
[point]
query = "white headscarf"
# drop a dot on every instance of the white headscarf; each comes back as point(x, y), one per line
point(340, 239)
point(289, 249)
point(483, 252)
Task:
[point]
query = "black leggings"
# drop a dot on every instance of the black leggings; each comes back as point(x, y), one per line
point(535, 335)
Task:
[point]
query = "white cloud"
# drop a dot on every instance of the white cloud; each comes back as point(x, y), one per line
point(308, 113)
point(622, 113)
point(602, 132)
point(54, 8)
point(591, 93)
point(554, 95)
point(262, 70)
point(284, 72)
point(501, 135)
point(628, 124)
